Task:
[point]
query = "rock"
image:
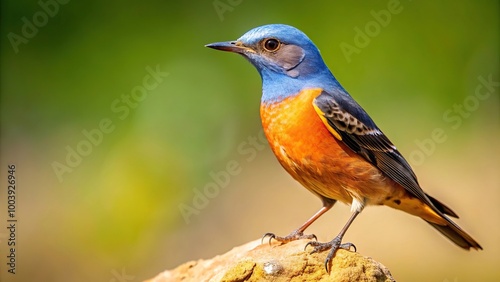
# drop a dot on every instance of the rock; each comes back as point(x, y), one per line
point(254, 261)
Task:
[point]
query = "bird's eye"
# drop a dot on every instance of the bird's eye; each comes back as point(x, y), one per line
point(271, 45)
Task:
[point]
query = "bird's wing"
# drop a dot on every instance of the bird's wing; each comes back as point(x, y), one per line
point(348, 122)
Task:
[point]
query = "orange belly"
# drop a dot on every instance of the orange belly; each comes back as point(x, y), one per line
point(315, 158)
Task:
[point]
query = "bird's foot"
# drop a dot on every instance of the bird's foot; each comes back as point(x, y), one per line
point(334, 245)
point(295, 235)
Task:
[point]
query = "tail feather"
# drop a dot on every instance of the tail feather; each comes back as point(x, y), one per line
point(456, 234)
point(442, 207)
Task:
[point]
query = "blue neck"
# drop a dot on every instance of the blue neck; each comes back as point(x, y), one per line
point(276, 87)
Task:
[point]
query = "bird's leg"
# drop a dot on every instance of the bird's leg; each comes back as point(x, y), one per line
point(334, 244)
point(299, 232)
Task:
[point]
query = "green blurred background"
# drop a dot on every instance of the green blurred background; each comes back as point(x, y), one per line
point(116, 213)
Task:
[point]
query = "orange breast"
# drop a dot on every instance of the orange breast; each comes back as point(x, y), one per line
point(313, 156)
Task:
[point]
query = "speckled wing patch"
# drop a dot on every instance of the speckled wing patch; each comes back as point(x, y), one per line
point(345, 121)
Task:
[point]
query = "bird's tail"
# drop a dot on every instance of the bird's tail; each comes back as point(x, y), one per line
point(451, 229)
point(456, 234)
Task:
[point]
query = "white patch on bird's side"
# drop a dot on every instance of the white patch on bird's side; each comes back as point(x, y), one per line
point(282, 150)
point(357, 205)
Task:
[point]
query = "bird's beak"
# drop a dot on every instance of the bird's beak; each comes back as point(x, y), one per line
point(230, 46)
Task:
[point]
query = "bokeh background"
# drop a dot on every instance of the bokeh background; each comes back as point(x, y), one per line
point(116, 213)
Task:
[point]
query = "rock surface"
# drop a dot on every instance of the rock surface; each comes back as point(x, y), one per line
point(254, 261)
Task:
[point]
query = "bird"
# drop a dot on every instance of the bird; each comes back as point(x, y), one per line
point(327, 142)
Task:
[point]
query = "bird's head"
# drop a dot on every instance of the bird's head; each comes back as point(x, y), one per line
point(276, 48)
point(282, 54)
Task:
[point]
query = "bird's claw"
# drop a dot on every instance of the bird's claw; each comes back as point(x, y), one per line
point(333, 245)
point(295, 235)
point(270, 235)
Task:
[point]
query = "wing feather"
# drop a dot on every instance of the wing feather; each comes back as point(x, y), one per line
point(341, 114)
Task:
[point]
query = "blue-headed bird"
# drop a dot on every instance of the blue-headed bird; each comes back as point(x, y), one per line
point(326, 141)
